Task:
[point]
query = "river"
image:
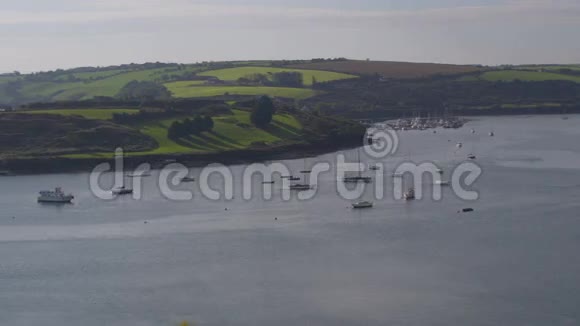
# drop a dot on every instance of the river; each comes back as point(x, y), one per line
point(154, 261)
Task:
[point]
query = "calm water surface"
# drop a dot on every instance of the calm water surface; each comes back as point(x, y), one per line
point(515, 261)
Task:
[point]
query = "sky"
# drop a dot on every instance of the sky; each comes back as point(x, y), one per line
point(45, 35)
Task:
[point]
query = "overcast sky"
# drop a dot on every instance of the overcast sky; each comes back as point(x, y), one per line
point(45, 35)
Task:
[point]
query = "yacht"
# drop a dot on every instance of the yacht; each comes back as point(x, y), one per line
point(300, 187)
point(362, 204)
point(359, 177)
point(138, 175)
point(410, 194)
point(122, 191)
point(56, 196)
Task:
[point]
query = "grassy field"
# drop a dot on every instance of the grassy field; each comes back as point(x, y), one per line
point(111, 83)
point(511, 75)
point(98, 114)
point(233, 74)
point(549, 67)
point(388, 69)
point(186, 89)
point(230, 132)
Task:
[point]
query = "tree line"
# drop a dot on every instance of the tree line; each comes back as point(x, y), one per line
point(187, 127)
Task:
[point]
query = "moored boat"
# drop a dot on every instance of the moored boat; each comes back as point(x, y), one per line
point(410, 194)
point(56, 196)
point(362, 204)
point(122, 191)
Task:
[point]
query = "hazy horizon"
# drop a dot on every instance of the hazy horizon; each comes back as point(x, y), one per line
point(66, 33)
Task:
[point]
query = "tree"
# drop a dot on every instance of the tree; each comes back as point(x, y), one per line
point(288, 79)
point(144, 90)
point(207, 123)
point(263, 112)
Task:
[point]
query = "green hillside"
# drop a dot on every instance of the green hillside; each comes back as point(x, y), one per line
point(233, 74)
point(188, 89)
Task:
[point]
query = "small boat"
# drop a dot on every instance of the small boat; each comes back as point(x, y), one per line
point(305, 171)
point(459, 145)
point(473, 131)
point(57, 196)
point(294, 178)
point(187, 179)
point(374, 168)
point(410, 194)
point(357, 179)
point(439, 171)
point(397, 175)
point(472, 157)
point(267, 182)
point(362, 204)
point(491, 134)
point(467, 210)
point(300, 187)
point(122, 191)
point(138, 175)
point(442, 183)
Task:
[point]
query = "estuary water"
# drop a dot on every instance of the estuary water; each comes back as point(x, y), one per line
point(154, 261)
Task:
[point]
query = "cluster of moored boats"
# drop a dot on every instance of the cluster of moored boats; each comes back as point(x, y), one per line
point(419, 123)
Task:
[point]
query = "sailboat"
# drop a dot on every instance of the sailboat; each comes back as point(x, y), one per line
point(410, 194)
point(301, 186)
point(122, 190)
point(359, 177)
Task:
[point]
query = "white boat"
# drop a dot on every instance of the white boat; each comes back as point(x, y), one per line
point(362, 204)
point(491, 134)
point(410, 194)
point(122, 191)
point(442, 183)
point(56, 196)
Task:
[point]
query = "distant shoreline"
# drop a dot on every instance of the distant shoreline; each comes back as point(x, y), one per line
point(55, 165)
